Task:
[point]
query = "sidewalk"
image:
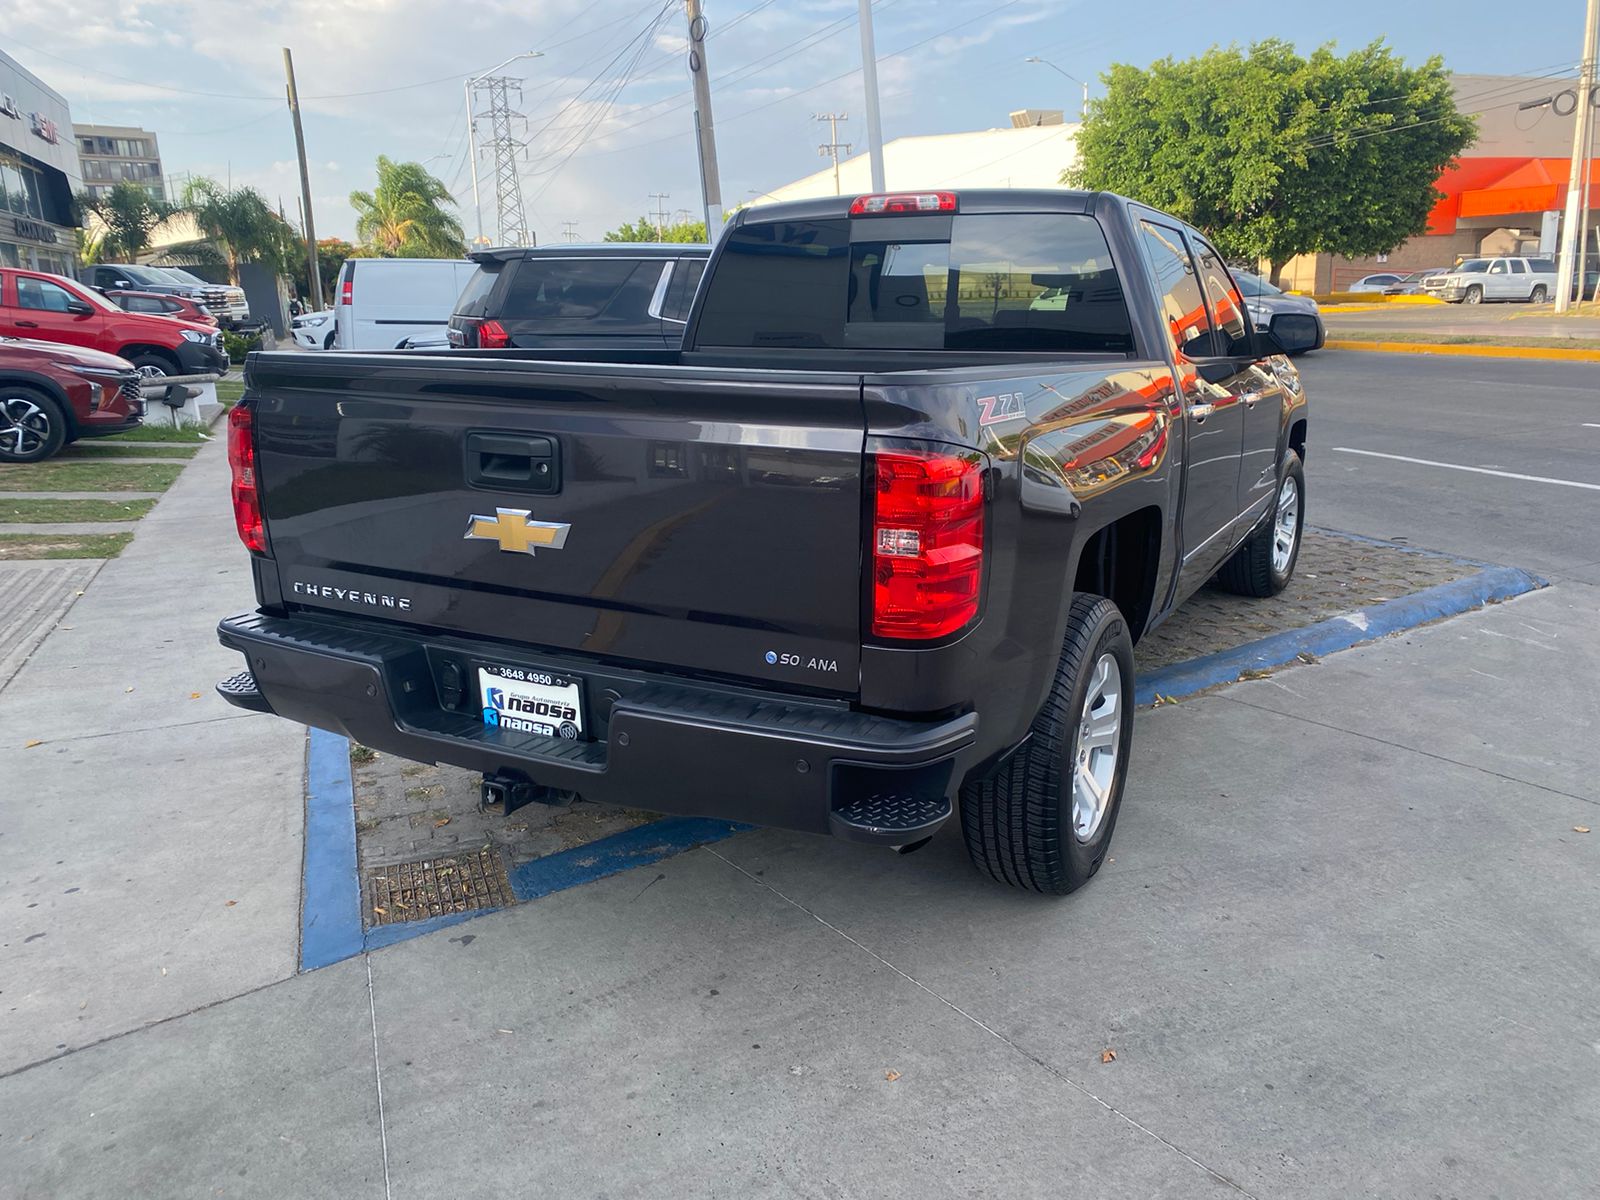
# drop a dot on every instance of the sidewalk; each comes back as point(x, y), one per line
point(150, 846)
point(1346, 945)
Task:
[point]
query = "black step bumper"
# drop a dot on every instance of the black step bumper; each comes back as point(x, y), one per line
point(661, 744)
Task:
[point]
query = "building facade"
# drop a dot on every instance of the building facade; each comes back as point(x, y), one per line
point(38, 174)
point(1504, 195)
point(112, 154)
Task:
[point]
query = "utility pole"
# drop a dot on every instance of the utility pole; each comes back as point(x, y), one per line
point(704, 127)
point(569, 230)
point(314, 276)
point(1572, 223)
point(869, 80)
point(660, 214)
point(831, 148)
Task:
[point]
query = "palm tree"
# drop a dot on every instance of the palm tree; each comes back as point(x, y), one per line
point(240, 224)
point(405, 215)
point(128, 215)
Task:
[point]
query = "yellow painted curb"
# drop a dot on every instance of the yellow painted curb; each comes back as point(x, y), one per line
point(1549, 353)
point(1377, 298)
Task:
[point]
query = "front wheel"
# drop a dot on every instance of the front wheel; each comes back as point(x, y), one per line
point(32, 425)
point(1265, 563)
point(153, 366)
point(1042, 820)
point(1474, 295)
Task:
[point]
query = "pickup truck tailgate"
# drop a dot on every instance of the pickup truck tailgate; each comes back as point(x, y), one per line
point(693, 518)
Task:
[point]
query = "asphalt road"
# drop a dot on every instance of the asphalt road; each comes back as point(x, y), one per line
point(1491, 459)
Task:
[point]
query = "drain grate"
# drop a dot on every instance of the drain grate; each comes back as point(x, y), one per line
point(433, 887)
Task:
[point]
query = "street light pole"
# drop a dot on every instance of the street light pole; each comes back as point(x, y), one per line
point(869, 80)
point(472, 134)
point(1082, 112)
point(1572, 222)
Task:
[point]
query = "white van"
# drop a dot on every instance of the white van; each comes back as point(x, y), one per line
point(385, 303)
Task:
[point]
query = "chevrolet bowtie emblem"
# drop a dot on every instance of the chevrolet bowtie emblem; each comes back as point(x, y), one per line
point(516, 532)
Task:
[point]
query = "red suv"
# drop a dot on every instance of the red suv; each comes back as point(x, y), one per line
point(162, 306)
point(52, 394)
point(54, 308)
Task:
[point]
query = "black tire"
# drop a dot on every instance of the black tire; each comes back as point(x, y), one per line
point(1474, 295)
point(1537, 296)
point(1018, 820)
point(1251, 570)
point(327, 342)
point(32, 425)
point(153, 363)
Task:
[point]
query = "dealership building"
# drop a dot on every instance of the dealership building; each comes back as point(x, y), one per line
point(38, 173)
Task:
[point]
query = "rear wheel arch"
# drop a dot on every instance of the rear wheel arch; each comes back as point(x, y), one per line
point(1120, 561)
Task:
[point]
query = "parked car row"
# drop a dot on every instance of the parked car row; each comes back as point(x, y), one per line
point(223, 301)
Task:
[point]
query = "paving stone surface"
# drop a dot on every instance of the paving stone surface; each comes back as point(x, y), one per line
point(1335, 575)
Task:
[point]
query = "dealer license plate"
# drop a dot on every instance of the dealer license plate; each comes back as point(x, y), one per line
point(531, 702)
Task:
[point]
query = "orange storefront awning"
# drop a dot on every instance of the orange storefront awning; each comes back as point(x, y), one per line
point(1494, 187)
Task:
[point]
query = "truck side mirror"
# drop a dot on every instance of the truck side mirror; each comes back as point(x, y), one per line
point(1267, 344)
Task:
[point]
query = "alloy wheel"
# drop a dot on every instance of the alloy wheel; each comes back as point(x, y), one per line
point(1098, 745)
point(24, 426)
point(1286, 525)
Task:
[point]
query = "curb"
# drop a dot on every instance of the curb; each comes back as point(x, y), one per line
point(1548, 353)
point(1185, 679)
point(330, 927)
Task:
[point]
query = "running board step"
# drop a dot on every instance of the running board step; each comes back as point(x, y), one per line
point(890, 818)
point(240, 690)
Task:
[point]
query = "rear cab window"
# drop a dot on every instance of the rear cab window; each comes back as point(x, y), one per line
point(1005, 281)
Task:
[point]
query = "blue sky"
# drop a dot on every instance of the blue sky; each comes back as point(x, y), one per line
point(385, 77)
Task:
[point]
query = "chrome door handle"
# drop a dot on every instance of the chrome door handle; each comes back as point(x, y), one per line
point(1250, 398)
point(1200, 411)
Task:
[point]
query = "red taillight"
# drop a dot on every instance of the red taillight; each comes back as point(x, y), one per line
point(347, 291)
point(246, 496)
point(903, 202)
point(493, 336)
point(927, 543)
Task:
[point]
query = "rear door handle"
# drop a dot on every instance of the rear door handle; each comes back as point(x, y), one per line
point(1200, 412)
point(513, 462)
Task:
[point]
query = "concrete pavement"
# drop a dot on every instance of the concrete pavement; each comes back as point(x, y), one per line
point(150, 846)
point(1346, 946)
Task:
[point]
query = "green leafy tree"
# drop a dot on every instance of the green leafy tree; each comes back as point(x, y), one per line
point(645, 230)
point(239, 225)
point(331, 255)
point(1274, 154)
point(408, 214)
point(128, 216)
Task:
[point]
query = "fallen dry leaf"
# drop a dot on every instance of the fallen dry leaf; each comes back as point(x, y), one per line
point(1254, 673)
point(891, 1076)
point(1108, 1056)
point(31, 743)
point(230, 903)
point(1580, 829)
point(443, 821)
point(194, 695)
point(382, 912)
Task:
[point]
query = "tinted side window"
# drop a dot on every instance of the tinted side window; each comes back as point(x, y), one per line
point(476, 293)
point(36, 293)
point(681, 288)
point(569, 289)
point(1497, 267)
point(1181, 301)
point(1517, 267)
point(780, 283)
point(144, 304)
point(1542, 266)
point(1227, 307)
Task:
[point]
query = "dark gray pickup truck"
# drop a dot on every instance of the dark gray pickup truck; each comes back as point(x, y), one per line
point(870, 550)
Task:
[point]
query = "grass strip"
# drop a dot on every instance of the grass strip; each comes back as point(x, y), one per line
point(1462, 339)
point(26, 510)
point(155, 433)
point(100, 451)
point(51, 545)
point(55, 475)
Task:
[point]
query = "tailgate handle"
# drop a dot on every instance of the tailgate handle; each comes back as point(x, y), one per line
point(508, 462)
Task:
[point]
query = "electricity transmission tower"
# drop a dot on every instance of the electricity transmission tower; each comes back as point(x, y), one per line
point(660, 214)
point(831, 148)
point(500, 91)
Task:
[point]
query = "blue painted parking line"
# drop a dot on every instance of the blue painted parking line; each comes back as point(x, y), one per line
point(1336, 633)
point(330, 899)
point(331, 914)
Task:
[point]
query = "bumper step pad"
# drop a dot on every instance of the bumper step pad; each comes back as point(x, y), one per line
point(240, 690)
point(890, 818)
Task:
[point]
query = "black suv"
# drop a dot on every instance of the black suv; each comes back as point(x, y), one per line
point(222, 300)
point(632, 294)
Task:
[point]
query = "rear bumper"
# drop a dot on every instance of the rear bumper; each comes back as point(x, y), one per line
point(663, 744)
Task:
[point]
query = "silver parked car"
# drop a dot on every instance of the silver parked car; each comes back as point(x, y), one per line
point(1481, 280)
point(1295, 321)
